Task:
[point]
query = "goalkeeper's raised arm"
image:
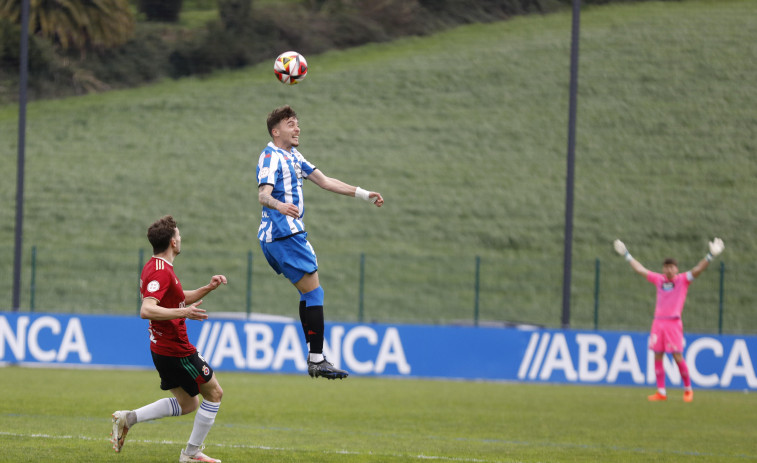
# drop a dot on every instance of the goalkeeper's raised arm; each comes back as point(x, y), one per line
point(621, 249)
point(716, 247)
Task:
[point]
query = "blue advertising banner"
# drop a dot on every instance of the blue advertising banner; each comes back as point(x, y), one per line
point(499, 354)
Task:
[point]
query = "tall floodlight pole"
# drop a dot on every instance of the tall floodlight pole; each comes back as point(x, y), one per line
point(23, 77)
point(568, 258)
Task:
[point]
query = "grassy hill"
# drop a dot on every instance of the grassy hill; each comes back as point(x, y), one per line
point(464, 133)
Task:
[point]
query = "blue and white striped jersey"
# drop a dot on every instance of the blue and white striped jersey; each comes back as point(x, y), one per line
point(284, 171)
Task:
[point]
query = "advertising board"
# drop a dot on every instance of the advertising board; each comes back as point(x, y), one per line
point(418, 351)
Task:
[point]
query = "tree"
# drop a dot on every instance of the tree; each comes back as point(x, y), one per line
point(76, 23)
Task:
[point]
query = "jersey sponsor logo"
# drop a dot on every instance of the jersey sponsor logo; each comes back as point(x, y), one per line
point(153, 286)
point(668, 286)
point(153, 332)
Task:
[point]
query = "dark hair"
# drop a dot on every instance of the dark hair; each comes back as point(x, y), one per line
point(670, 261)
point(160, 233)
point(278, 115)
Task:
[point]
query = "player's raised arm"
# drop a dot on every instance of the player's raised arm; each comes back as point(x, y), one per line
point(197, 294)
point(621, 249)
point(716, 247)
point(337, 186)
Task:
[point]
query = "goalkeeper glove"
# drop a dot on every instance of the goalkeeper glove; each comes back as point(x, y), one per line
point(621, 249)
point(716, 247)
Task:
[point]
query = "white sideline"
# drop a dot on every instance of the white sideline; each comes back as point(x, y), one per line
point(248, 446)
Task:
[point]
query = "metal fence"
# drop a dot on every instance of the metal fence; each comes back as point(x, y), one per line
point(605, 294)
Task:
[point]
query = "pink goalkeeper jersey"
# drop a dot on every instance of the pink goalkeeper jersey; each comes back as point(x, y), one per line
point(671, 295)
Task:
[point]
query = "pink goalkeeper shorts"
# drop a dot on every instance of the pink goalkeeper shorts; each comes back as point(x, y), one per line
point(666, 335)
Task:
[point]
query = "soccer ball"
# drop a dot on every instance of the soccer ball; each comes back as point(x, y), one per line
point(290, 67)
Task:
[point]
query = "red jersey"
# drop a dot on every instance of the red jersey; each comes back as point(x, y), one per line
point(167, 337)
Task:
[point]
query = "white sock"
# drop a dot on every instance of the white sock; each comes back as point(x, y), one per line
point(160, 409)
point(316, 358)
point(662, 391)
point(204, 419)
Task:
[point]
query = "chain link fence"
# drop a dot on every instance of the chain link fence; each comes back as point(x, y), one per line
point(474, 290)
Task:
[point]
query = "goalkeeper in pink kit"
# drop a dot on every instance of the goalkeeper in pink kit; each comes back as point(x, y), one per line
point(667, 328)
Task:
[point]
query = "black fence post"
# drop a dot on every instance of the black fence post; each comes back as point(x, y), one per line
point(720, 298)
point(249, 283)
point(596, 294)
point(477, 289)
point(361, 294)
point(33, 285)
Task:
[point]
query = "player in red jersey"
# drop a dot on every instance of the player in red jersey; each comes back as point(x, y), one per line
point(666, 334)
point(182, 369)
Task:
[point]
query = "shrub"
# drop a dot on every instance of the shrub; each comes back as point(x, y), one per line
point(142, 59)
point(235, 14)
point(47, 72)
point(218, 48)
point(160, 10)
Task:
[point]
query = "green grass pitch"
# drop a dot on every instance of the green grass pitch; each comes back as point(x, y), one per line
point(64, 416)
point(463, 132)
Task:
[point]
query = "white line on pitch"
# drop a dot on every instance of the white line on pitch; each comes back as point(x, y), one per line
point(254, 447)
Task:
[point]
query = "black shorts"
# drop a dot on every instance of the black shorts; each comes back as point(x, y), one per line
point(185, 372)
